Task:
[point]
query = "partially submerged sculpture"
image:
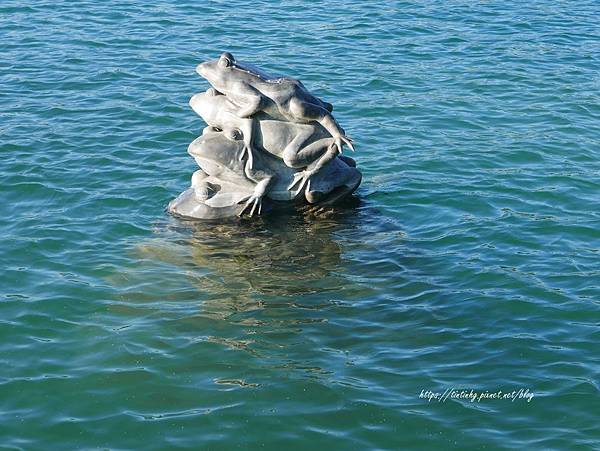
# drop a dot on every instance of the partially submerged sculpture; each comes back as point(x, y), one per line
point(268, 142)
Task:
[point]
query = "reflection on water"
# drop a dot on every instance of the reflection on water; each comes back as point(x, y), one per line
point(282, 256)
point(268, 264)
point(250, 286)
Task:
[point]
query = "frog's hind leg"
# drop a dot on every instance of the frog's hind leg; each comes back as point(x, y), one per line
point(295, 158)
point(325, 149)
point(291, 152)
point(310, 111)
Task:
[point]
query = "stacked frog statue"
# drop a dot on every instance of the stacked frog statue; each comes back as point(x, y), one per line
point(269, 142)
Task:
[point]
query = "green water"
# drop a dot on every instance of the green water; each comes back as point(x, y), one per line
point(468, 259)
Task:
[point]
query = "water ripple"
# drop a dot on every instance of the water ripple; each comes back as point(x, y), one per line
point(468, 259)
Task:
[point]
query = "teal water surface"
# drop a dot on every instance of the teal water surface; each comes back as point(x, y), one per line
point(468, 259)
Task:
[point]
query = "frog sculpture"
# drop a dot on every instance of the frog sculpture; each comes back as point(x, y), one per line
point(268, 142)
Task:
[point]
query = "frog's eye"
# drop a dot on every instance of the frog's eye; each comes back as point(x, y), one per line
point(225, 60)
point(235, 134)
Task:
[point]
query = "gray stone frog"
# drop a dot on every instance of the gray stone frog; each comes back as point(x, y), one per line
point(253, 91)
point(268, 144)
point(306, 146)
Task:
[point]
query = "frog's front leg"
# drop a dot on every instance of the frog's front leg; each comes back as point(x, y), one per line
point(254, 201)
point(249, 100)
point(310, 111)
point(263, 181)
point(247, 130)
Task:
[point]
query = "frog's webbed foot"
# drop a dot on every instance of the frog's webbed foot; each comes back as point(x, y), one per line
point(324, 117)
point(254, 201)
point(253, 205)
point(339, 142)
point(301, 179)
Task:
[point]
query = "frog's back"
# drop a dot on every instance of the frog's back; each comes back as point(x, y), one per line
point(278, 89)
point(263, 77)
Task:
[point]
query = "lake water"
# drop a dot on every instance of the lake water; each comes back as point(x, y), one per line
point(468, 258)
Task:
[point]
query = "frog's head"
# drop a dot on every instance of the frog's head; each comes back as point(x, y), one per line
point(218, 112)
point(217, 71)
point(208, 104)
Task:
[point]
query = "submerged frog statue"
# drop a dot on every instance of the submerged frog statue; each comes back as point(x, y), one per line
point(254, 91)
point(268, 143)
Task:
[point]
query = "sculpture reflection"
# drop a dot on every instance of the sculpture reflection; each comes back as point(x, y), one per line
point(285, 257)
point(266, 262)
point(258, 289)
